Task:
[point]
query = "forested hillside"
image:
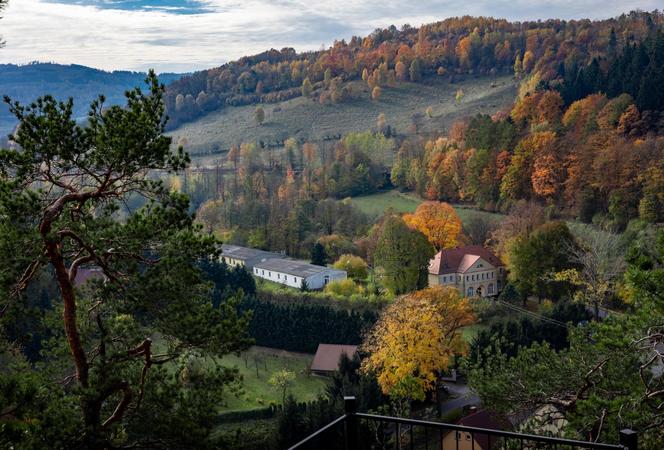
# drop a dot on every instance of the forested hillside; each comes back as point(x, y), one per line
point(27, 82)
point(588, 151)
point(555, 52)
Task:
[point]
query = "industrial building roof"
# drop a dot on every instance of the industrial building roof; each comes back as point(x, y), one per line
point(293, 267)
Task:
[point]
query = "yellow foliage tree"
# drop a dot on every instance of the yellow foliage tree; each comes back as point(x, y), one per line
point(355, 266)
point(375, 93)
point(415, 340)
point(210, 215)
point(438, 222)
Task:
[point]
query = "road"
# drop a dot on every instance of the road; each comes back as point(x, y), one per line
point(461, 396)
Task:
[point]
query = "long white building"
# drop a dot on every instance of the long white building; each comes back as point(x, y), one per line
point(280, 268)
point(293, 273)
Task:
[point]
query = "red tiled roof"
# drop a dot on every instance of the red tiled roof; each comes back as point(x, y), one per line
point(328, 356)
point(460, 259)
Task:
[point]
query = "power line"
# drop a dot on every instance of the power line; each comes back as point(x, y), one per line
point(532, 314)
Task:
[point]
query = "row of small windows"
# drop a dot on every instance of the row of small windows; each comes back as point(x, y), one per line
point(484, 276)
point(450, 279)
point(269, 274)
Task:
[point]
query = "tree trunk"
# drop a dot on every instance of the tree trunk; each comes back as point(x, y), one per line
point(69, 312)
point(91, 407)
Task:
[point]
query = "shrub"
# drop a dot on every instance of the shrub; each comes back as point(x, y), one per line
point(344, 288)
point(355, 267)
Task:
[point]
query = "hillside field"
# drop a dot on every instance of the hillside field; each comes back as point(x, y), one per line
point(306, 118)
point(376, 204)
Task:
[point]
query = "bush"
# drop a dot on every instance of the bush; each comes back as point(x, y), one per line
point(344, 288)
point(355, 267)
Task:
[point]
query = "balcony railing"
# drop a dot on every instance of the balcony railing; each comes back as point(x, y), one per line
point(359, 431)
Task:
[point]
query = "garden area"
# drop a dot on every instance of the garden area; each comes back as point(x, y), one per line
point(258, 367)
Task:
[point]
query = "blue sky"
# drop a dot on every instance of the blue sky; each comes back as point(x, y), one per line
point(186, 35)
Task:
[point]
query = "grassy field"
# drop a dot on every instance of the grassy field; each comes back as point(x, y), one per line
point(376, 204)
point(471, 331)
point(305, 118)
point(257, 366)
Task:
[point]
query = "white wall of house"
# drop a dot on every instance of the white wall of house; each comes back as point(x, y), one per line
point(316, 281)
point(319, 280)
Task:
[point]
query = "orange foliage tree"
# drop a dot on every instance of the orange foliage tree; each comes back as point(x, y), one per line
point(415, 340)
point(438, 222)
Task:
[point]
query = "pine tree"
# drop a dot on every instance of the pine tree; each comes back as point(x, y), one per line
point(318, 255)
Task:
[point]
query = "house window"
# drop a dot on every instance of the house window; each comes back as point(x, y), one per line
point(444, 279)
point(466, 277)
point(285, 277)
point(269, 274)
point(458, 278)
point(490, 290)
point(256, 271)
point(326, 280)
point(278, 276)
point(470, 292)
point(295, 279)
point(262, 272)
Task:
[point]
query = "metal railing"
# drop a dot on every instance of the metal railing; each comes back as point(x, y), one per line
point(359, 431)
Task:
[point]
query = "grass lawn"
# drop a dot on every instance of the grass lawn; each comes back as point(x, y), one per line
point(376, 204)
point(247, 433)
point(257, 366)
point(471, 331)
point(467, 213)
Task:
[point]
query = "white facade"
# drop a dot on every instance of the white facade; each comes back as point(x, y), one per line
point(280, 268)
point(293, 278)
point(481, 280)
point(473, 270)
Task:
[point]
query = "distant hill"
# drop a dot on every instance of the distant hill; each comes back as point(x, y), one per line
point(551, 53)
point(306, 119)
point(27, 82)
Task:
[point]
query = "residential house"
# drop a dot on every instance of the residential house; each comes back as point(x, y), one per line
point(462, 440)
point(328, 357)
point(472, 269)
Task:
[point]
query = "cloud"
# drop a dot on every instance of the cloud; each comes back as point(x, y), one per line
point(177, 35)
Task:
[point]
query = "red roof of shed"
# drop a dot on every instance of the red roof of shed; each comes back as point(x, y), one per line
point(328, 356)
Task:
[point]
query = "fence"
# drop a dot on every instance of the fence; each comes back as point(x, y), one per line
point(359, 431)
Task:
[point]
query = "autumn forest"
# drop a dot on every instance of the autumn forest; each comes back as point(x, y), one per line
point(493, 250)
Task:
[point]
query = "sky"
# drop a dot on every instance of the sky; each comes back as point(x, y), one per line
point(188, 35)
